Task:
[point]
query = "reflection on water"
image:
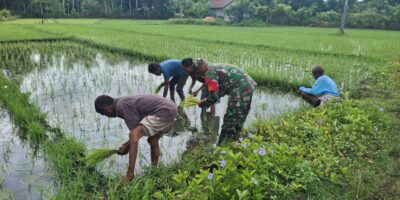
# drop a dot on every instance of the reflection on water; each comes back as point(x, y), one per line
point(23, 175)
point(65, 88)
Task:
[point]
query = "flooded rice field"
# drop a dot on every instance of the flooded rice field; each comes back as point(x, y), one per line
point(23, 173)
point(64, 83)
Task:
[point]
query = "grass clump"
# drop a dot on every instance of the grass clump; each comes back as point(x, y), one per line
point(97, 155)
point(189, 102)
point(157, 89)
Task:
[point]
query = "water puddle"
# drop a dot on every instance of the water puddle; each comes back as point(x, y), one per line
point(65, 86)
point(24, 175)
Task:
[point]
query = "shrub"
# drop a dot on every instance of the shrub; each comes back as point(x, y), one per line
point(5, 15)
point(284, 159)
point(197, 21)
point(250, 168)
point(328, 18)
point(250, 22)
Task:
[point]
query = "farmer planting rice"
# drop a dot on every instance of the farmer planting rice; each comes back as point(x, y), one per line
point(145, 115)
point(323, 90)
point(174, 76)
point(221, 80)
point(198, 77)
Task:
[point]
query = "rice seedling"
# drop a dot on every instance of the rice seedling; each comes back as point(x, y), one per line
point(279, 68)
point(189, 102)
point(157, 89)
point(97, 155)
point(73, 94)
point(290, 38)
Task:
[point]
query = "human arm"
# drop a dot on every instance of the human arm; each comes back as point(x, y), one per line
point(130, 115)
point(124, 148)
point(195, 93)
point(159, 87)
point(166, 87)
point(134, 137)
point(167, 76)
point(317, 88)
point(192, 84)
point(211, 83)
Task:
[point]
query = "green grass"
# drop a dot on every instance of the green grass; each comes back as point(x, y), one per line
point(356, 162)
point(277, 68)
point(28, 21)
point(369, 43)
point(97, 155)
point(275, 56)
point(11, 32)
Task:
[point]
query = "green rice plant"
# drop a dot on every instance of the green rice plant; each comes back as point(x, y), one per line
point(277, 63)
point(97, 155)
point(12, 32)
point(157, 89)
point(290, 38)
point(189, 102)
point(279, 68)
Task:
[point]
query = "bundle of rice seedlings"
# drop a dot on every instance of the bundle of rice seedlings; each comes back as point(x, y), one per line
point(157, 89)
point(97, 155)
point(189, 102)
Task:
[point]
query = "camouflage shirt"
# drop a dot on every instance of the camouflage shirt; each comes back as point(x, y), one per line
point(221, 79)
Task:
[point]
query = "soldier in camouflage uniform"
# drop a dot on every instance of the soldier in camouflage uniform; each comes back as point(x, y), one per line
point(221, 80)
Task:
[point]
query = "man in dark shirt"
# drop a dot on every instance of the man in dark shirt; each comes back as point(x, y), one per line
point(148, 115)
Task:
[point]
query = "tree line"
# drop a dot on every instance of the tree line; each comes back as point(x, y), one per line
point(362, 13)
point(152, 9)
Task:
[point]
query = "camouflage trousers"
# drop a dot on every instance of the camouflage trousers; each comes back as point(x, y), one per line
point(239, 103)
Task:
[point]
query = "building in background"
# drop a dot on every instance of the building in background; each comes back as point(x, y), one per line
point(217, 9)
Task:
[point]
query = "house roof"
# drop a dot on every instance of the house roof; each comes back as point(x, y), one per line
point(219, 3)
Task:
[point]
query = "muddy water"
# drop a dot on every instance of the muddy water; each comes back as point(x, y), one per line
point(66, 90)
point(23, 175)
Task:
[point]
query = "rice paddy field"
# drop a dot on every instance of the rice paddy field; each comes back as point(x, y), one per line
point(53, 71)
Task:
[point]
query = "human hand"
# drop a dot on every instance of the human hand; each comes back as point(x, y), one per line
point(123, 149)
point(126, 179)
point(202, 103)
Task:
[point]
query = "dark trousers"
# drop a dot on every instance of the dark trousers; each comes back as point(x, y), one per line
point(311, 99)
point(179, 82)
point(239, 104)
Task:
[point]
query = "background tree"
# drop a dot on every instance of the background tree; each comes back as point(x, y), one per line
point(361, 14)
point(241, 9)
point(343, 21)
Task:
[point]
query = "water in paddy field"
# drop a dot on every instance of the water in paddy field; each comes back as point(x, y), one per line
point(65, 87)
point(23, 175)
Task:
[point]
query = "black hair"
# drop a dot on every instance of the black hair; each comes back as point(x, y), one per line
point(200, 62)
point(318, 70)
point(153, 67)
point(187, 62)
point(101, 102)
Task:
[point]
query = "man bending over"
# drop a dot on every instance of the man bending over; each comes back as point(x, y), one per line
point(148, 115)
